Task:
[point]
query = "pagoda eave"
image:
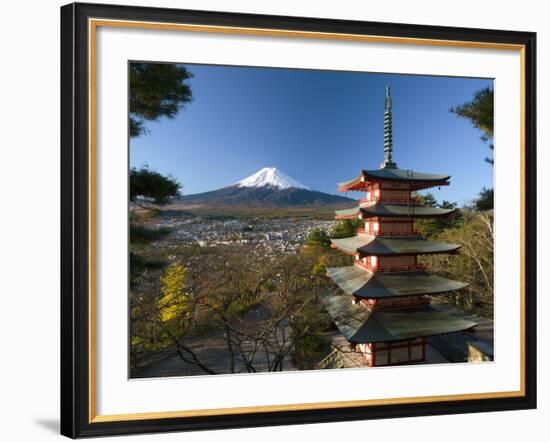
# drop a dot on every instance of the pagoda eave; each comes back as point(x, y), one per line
point(357, 184)
point(359, 325)
point(395, 246)
point(390, 210)
point(380, 285)
point(414, 180)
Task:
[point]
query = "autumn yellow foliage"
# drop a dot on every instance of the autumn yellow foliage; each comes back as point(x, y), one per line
point(173, 304)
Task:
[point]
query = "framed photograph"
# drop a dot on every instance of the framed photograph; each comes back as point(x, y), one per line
point(274, 220)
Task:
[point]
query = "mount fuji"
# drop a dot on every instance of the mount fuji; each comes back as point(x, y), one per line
point(270, 177)
point(269, 187)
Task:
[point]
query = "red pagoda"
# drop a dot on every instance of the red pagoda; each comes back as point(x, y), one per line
point(383, 306)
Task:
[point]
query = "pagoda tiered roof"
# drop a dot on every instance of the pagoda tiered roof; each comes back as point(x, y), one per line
point(393, 210)
point(386, 246)
point(416, 180)
point(385, 295)
point(376, 285)
point(359, 324)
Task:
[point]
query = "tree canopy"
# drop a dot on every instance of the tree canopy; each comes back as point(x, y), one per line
point(156, 90)
point(152, 186)
point(345, 228)
point(427, 199)
point(317, 237)
point(484, 200)
point(480, 112)
point(430, 228)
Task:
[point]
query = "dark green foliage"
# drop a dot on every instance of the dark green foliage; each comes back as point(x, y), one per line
point(485, 200)
point(156, 90)
point(155, 187)
point(480, 112)
point(139, 264)
point(345, 228)
point(152, 186)
point(427, 200)
point(310, 326)
point(317, 237)
point(430, 228)
point(140, 234)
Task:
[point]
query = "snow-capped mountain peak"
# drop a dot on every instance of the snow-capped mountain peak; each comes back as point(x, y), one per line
point(270, 177)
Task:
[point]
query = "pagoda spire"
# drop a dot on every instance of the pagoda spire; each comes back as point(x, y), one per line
point(388, 137)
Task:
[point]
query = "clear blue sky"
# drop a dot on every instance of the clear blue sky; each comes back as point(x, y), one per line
point(319, 127)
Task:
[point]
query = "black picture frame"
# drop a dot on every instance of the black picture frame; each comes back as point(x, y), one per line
point(75, 220)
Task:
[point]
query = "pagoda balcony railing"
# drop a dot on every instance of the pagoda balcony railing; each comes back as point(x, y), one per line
point(407, 301)
point(394, 268)
point(362, 231)
point(390, 199)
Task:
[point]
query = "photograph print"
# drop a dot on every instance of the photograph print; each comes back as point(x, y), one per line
point(300, 219)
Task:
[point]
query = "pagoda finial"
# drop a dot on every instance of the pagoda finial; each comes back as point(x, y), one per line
point(388, 141)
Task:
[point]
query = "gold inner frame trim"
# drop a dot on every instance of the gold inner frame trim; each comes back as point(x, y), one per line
point(93, 24)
